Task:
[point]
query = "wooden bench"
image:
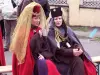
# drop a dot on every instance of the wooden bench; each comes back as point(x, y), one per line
point(96, 59)
point(7, 68)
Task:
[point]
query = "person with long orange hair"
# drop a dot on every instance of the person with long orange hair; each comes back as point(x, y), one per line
point(30, 22)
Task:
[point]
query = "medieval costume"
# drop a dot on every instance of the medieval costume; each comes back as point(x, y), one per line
point(23, 58)
point(2, 57)
point(62, 41)
point(39, 45)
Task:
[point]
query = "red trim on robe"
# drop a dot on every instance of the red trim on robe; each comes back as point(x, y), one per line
point(52, 70)
point(2, 57)
point(89, 67)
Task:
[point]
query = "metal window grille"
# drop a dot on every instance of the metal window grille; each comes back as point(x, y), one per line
point(83, 3)
point(98, 68)
point(90, 3)
point(58, 2)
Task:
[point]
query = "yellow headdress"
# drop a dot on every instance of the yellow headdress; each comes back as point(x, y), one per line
point(21, 32)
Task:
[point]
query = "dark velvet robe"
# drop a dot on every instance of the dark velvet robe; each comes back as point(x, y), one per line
point(27, 68)
point(40, 45)
point(65, 55)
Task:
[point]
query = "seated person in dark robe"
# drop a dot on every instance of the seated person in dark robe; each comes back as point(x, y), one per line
point(65, 46)
point(40, 48)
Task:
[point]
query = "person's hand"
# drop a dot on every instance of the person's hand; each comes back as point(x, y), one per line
point(40, 33)
point(77, 51)
point(14, 13)
point(41, 57)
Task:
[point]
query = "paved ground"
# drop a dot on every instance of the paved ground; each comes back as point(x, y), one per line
point(92, 47)
point(86, 34)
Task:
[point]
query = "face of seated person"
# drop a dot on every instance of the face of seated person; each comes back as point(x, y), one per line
point(58, 21)
point(36, 20)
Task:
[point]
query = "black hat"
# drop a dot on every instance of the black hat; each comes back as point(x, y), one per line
point(56, 12)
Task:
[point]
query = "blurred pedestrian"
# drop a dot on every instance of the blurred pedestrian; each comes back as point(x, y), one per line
point(9, 11)
point(1, 19)
point(43, 3)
